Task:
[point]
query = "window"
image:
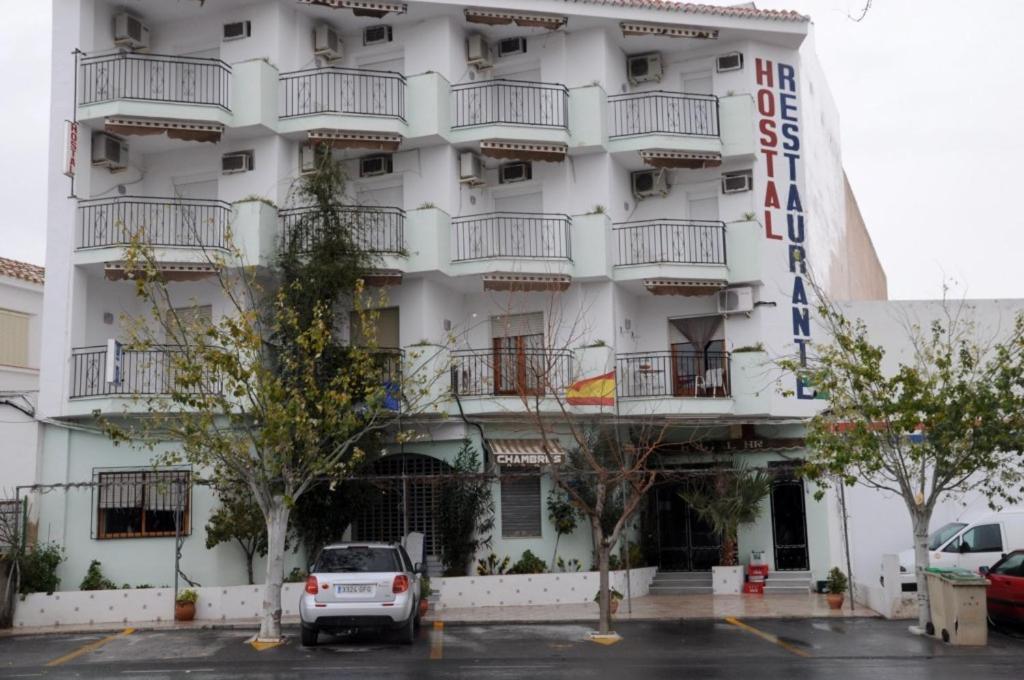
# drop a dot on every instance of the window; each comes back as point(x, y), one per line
point(519, 357)
point(13, 338)
point(358, 559)
point(943, 534)
point(10, 520)
point(520, 507)
point(982, 538)
point(142, 503)
point(1011, 566)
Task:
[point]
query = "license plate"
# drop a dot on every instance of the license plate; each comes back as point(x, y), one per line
point(356, 589)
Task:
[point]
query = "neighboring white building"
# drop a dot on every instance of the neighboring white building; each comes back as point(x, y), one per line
point(662, 171)
point(21, 320)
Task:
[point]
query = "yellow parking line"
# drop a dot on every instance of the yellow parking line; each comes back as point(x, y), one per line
point(90, 647)
point(766, 636)
point(437, 641)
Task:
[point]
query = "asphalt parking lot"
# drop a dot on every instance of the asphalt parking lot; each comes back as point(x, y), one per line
point(803, 648)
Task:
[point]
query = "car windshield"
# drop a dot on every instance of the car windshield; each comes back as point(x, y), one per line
point(943, 534)
point(355, 559)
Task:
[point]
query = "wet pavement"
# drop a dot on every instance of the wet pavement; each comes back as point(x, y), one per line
point(720, 648)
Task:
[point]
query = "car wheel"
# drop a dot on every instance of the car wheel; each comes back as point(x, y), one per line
point(407, 633)
point(309, 636)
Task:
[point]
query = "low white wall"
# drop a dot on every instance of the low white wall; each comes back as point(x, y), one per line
point(526, 589)
point(145, 605)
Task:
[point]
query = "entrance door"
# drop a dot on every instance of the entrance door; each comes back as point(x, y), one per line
point(685, 541)
point(789, 524)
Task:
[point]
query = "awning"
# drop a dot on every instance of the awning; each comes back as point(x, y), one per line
point(499, 17)
point(524, 151)
point(670, 30)
point(526, 282)
point(175, 129)
point(693, 160)
point(526, 452)
point(363, 8)
point(344, 139)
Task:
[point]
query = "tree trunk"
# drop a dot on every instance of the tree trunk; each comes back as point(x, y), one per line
point(277, 526)
point(248, 568)
point(921, 518)
point(604, 622)
point(554, 555)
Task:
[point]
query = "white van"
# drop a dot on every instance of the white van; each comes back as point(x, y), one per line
point(980, 543)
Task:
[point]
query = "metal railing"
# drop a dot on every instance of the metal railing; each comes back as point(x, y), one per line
point(508, 234)
point(670, 241)
point(150, 372)
point(375, 230)
point(349, 91)
point(154, 78)
point(673, 374)
point(510, 102)
point(186, 222)
point(511, 372)
point(659, 112)
point(389, 361)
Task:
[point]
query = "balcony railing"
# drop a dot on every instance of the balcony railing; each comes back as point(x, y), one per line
point(507, 234)
point(510, 102)
point(154, 78)
point(163, 222)
point(347, 91)
point(149, 372)
point(670, 242)
point(673, 374)
point(666, 113)
point(510, 372)
point(375, 230)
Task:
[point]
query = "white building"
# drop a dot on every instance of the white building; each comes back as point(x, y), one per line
point(21, 319)
point(661, 172)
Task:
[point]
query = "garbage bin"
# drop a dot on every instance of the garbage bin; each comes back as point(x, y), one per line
point(958, 606)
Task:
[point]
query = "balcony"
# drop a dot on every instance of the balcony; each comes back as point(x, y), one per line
point(344, 107)
point(513, 243)
point(666, 256)
point(131, 93)
point(507, 377)
point(143, 373)
point(511, 118)
point(674, 383)
point(665, 129)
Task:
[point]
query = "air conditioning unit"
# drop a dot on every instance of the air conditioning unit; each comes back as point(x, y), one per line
point(237, 30)
point(736, 182)
point(478, 52)
point(237, 161)
point(650, 183)
point(729, 62)
point(644, 68)
point(509, 46)
point(130, 32)
point(109, 152)
point(326, 42)
point(375, 35)
point(736, 300)
point(471, 169)
point(510, 173)
point(373, 166)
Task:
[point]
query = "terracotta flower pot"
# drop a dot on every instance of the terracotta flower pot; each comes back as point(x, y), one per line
point(424, 606)
point(835, 600)
point(184, 611)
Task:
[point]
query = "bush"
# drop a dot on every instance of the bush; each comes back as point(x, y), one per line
point(570, 565)
point(38, 569)
point(296, 575)
point(837, 582)
point(425, 590)
point(95, 580)
point(492, 566)
point(529, 564)
point(612, 594)
point(186, 596)
point(465, 513)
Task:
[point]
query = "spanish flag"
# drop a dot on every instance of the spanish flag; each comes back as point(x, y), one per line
point(596, 391)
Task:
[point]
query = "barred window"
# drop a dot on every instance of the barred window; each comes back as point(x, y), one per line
point(10, 522)
point(142, 503)
point(520, 507)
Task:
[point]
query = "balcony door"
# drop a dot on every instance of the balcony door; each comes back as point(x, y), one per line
point(518, 354)
point(379, 229)
point(519, 231)
point(521, 103)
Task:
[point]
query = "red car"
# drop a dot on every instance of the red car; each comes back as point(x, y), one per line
point(1006, 588)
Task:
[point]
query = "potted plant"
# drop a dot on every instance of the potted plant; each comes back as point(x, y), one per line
point(185, 605)
point(835, 587)
point(727, 501)
point(614, 597)
point(425, 592)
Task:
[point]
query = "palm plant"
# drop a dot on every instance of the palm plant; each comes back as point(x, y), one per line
point(731, 498)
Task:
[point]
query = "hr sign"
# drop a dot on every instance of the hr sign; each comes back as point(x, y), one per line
point(779, 128)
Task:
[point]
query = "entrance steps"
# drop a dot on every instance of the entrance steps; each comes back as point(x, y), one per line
point(787, 582)
point(681, 583)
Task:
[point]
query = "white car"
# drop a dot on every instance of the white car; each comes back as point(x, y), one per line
point(357, 586)
point(908, 578)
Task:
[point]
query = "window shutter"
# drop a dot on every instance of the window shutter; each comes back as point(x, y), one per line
point(167, 491)
point(516, 325)
point(520, 507)
point(13, 338)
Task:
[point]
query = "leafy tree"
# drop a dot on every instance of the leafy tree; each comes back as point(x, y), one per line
point(465, 512)
point(326, 511)
point(269, 395)
point(726, 501)
point(947, 419)
point(562, 515)
point(238, 519)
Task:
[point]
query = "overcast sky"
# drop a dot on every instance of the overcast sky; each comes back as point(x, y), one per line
point(931, 100)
